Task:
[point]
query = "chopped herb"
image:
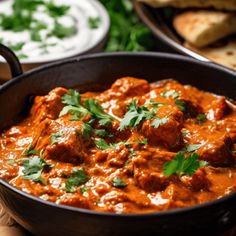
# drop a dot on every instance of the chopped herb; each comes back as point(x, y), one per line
point(102, 144)
point(118, 183)
point(33, 168)
point(77, 178)
point(17, 46)
point(94, 22)
point(136, 115)
point(194, 147)
point(22, 56)
point(74, 118)
point(84, 189)
point(201, 118)
point(29, 151)
point(60, 31)
point(103, 133)
point(183, 166)
point(73, 98)
point(54, 137)
point(79, 111)
point(87, 130)
point(171, 93)
point(159, 121)
point(57, 11)
point(97, 111)
point(185, 134)
point(142, 142)
point(181, 104)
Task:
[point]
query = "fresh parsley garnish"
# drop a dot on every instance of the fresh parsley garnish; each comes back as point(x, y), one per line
point(72, 98)
point(57, 11)
point(137, 114)
point(159, 121)
point(170, 93)
point(60, 31)
point(181, 104)
point(97, 112)
point(77, 178)
point(103, 133)
point(102, 144)
point(118, 183)
point(54, 137)
point(183, 166)
point(94, 22)
point(194, 147)
point(33, 168)
point(87, 130)
point(201, 118)
point(29, 151)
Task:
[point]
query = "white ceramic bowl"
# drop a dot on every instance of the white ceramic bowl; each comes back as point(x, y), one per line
point(87, 40)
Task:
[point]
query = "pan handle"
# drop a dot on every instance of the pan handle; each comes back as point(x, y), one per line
point(12, 60)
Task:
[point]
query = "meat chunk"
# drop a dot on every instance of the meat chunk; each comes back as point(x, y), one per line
point(168, 132)
point(48, 106)
point(61, 140)
point(218, 109)
point(147, 168)
point(128, 86)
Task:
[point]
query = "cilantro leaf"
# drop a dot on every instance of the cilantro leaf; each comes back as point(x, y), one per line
point(170, 93)
point(54, 137)
point(57, 11)
point(87, 130)
point(29, 151)
point(33, 168)
point(118, 183)
point(159, 121)
point(77, 178)
point(94, 22)
point(103, 133)
point(136, 115)
point(60, 31)
point(183, 166)
point(194, 147)
point(73, 98)
point(181, 104)
point(97, 111)
point(201, 118)
point(102, 144)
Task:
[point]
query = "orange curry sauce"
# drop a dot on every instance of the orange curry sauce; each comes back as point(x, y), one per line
point(125, 175)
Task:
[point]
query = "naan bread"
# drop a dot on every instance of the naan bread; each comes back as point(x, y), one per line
point(203, 27)
point(217, 4)
point(224, 54)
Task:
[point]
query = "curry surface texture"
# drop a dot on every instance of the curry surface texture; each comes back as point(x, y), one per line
point(119, 150)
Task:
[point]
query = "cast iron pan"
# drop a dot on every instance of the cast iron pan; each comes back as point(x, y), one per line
point(90, 72)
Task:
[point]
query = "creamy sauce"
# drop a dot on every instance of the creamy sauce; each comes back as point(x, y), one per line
point(52, 47)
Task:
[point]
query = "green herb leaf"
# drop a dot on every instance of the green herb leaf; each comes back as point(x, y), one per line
point(103, 133)
point(33, 168)
point(94, 22)
point(54, 137)
point(171, 93)
point(97, 111)
point(77, 178)
point(181, 104)
point(60, 31)
point(136, 115)
point(201, 118)
point(87, 130)
point(183, 166)
point(102, 144)
point(73, 98)
point(118, 183)
point(57, 11)
point(159, 121)
point(194, 147)
point(29, 151)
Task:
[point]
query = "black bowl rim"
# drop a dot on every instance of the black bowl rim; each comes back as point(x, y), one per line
point(108, 214)
point(145, 16)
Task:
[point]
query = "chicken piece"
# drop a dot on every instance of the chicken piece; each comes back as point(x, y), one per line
point(128, 87)
point(147, 169)
point(168, 132)
point(218, 109)
point(48, 106)
point(214, 146)
point(61, 140)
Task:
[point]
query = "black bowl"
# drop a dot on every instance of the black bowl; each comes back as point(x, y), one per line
point(159, 21)
point(44, 218)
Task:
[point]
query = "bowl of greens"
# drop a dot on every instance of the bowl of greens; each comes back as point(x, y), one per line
point(43, 31)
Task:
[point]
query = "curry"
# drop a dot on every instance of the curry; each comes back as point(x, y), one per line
point(134, 148)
